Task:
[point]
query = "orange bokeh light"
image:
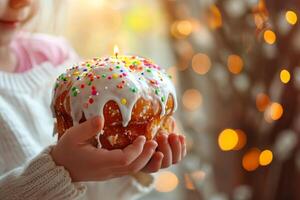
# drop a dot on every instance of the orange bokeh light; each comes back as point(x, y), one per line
point(250, 160)
point(201, 63)
point(191, 99)
point(262, 101)
point(242, 139)
point(235, 64)
point(269, 37)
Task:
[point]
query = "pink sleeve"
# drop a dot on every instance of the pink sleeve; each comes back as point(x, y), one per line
point(34, 49)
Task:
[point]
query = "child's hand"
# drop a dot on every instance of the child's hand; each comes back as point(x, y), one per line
point(87, 163)
point(171, 149)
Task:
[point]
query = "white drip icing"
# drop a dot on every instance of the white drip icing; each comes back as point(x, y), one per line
point(141, 80)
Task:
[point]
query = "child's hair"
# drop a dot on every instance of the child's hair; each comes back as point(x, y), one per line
point(48, 16)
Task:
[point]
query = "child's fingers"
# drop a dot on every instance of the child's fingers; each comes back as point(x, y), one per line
point(183, 145)
point(164, 147)
point(84, 131)
point(176, 147)
point(121, 158)
point(144, 157)
point(155, 163)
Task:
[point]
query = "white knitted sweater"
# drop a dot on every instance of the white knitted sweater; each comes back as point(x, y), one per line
point(26, 124)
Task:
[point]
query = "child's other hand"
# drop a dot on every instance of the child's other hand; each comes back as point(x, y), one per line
point(88, 163)
point(171, 149)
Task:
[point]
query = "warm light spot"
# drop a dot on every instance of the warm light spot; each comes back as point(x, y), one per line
point(291, 17)
point(262, 101)
point(201, 63)
point(188, 182)
point(193, 177)
point(227, 139)
point(250, 160)
point(235, 64)
point(242, 139)
point(276, 111)
point(273, 112)
point(191, 99)
point(285, 76)
point(265, 157)
point(116, 50)
point(261, 5)
point(259, 21)
point(182, 28)
point(185, 27)
point(215, 17)
point(166, 181)
point(269, 37)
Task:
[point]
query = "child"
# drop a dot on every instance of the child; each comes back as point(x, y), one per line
point(29, 64)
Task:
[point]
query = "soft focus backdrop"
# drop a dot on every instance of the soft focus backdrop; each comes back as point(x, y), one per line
point(236, 66)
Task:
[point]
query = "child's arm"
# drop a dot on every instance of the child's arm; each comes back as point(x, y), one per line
point(39, 179)
point(42, 178)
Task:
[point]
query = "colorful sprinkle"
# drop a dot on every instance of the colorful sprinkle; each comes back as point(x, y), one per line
point(157, 91)
point(153, 82)
point(94, 92)
point(133, 89)
point(123, 101)
point(115, 76)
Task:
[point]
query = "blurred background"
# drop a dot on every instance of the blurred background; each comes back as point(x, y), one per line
point(236, 66)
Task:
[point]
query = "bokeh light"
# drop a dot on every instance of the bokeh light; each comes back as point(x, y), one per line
point(269, 37)
point(235, 64)
point(215, 17)
point(273, 112)
point(266, 157)
point(191, 99)
point(192, 177)
point(291, 17)
point(181, 28)
point(166, 181)
point(262, 101)
point(285, 76)
point(259, 21)
point(250, 160)
point(276, 111)
point(201, 63)
point(185, 27)
point(188, 182)
point(242, 139)
point(228, 139)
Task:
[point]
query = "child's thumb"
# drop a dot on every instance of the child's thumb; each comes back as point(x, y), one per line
point(86, 130)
